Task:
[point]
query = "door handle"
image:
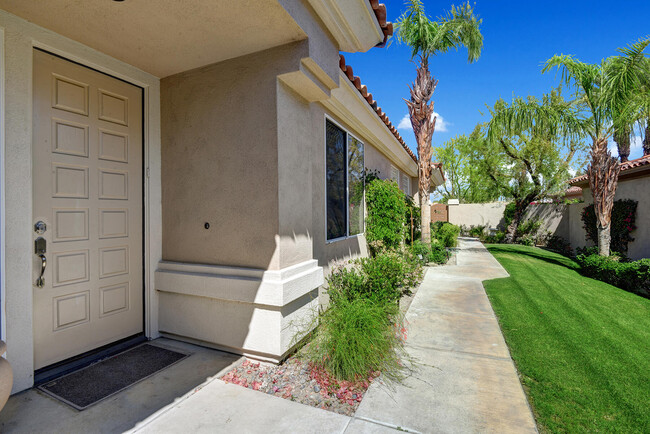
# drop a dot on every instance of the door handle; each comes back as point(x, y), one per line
point(40, 282)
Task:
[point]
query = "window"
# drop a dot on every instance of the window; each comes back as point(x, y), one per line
point(344, 182)
point(394, 173)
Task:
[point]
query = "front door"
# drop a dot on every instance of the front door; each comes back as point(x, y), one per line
point(87, 172)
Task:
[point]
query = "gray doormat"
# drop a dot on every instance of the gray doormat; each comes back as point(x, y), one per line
point(85, 387)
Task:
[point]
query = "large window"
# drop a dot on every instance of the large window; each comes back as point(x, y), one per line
point(344, 178)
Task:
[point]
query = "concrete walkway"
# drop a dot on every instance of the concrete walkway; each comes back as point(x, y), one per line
point(465, 380)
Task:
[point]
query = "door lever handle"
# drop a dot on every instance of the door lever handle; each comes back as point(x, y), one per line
point(40, 282)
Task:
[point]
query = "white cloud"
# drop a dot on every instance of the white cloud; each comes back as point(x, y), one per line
point(441, 125)
point(405, 123)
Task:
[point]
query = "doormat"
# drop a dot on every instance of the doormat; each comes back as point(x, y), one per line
point(87, 386)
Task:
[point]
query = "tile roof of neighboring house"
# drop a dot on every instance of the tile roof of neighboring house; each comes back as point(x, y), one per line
point(386, 26)
point(573, 191)
point(356, 81)
point(630, 164)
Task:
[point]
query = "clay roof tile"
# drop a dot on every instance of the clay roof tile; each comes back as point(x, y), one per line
point(363, 90)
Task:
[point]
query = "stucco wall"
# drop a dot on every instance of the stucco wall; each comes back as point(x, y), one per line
point(220, 160)
point(477, 214)
point(639, 190)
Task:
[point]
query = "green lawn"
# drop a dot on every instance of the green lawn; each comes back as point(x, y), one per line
point(582, 346)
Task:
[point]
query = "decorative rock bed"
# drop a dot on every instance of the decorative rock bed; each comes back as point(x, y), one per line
point(300, 382)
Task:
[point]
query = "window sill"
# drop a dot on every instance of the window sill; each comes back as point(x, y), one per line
point(347, 237)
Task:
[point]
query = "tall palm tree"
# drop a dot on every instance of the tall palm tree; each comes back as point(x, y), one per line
point(604, 106)
point(459, 27)
point(627, 88)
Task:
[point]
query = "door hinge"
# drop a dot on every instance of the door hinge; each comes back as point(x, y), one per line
point(147, 172)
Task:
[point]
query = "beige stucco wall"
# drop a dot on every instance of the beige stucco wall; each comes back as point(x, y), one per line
point(637, 189)
point(477, 214)
point(220, 160)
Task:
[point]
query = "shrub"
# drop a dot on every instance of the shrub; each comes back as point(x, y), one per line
point(358, 337)
point(623, 218)
point(527, 240)
point(390, 275)
point(447, 234)
point(497, 238)
point(435, 252)
point(476, 231)
point(386, 213)
point(438, 254)
point(632, 276)
point(559, 245)
point(385, 277)
point(509, 213)
point(529, 227)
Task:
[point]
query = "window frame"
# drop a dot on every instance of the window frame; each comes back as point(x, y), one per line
point(347, 180)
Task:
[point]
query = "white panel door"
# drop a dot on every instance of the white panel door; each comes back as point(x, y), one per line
point(87, 162)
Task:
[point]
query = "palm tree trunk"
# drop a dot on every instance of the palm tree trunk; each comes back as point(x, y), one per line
point(603, 180)
point(604, 239)
point(646, 139)
point(424, 123)
point(622, 139)
point(425, 216)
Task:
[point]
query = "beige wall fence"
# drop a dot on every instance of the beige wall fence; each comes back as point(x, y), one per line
point(565, 220)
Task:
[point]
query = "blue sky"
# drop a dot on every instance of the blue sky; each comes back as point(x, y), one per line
point(518, 37)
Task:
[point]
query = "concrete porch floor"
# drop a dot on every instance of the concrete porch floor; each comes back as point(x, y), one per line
point(32, 411)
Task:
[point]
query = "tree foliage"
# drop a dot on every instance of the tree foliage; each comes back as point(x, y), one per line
point(528, 148)
point(386, 209)
point(465, 180)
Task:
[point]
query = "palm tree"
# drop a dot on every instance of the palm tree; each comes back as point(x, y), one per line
point(459, 27)
point(604, 106)
point(627, 88)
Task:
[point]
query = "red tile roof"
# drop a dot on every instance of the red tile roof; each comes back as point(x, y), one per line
point(386, 26)
point(630, 164)
point(573, 191)
point(356, 81)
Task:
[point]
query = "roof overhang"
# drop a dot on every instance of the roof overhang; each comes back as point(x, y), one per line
point(353, 23)
point(168, 36)
point(437, 175)
point(347, 103)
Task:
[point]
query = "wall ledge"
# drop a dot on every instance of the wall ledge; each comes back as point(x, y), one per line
point(237, 284)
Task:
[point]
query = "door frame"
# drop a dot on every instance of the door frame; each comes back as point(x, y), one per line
point(21, 38)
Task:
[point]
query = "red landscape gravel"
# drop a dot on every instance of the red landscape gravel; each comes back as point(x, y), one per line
point(299, 381)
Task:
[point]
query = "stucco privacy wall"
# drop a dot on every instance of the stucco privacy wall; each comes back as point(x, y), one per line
point(477, 214)
point(637, 189)
point(20, 37)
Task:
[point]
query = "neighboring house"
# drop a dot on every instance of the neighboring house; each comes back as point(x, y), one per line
point(191, 162)
point(633, 183)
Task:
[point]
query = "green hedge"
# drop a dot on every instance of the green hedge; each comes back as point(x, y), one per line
point(445, 233)
point(632, 276)
point(386, 222)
